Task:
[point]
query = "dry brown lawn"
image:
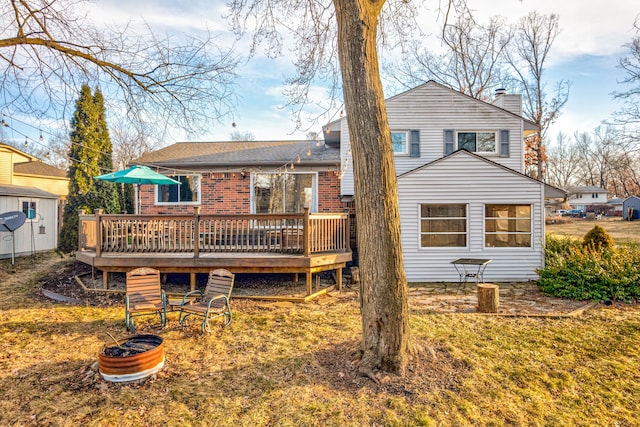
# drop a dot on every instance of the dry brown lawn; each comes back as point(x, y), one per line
point(621, 231)
point(294, 365)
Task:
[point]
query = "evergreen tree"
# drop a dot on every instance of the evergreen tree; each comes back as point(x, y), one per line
point(90, 155)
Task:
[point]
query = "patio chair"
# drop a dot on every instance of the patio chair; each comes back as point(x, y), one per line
point(214, 302)
point(144, 296)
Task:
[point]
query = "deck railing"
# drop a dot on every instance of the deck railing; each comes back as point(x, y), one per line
point(304, 233)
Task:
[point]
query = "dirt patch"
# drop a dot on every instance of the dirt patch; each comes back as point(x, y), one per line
point(64, 282)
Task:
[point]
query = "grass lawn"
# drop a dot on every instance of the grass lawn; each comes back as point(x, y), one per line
point(621, 231)
point(281, 365)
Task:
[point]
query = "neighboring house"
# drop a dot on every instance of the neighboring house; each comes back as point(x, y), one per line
point(631, 208)
point(460, 164)
point(615, 205)
point(37, 189)
point(587, 197)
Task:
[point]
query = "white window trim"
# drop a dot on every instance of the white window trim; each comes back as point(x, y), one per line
point(37, 202)
point(191, 203)
point(440, 248)
point(314, 193)
point(407, 137)
point(512, 248)
point(496, 136)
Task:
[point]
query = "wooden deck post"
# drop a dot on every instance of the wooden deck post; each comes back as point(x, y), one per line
point(309, 282)
point(488, 298)
point(196, 237)
point(307, 232)
point(192, 281)
point(81, 244)
point(98, 232)
point(339, 278)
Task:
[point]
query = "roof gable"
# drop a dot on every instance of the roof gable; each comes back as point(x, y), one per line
point(432, 85)
point(550, 191)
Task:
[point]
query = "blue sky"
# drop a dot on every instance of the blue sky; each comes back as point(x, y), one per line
point(585, 52)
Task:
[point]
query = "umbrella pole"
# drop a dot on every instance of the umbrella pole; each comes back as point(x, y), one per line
point(137, 204)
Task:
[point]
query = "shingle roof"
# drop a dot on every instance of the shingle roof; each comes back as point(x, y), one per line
point(19, 191)
point(38, 168)
point(247, 153)
point(587, 189)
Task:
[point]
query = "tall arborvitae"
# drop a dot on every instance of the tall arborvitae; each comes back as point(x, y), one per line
point(90, 155)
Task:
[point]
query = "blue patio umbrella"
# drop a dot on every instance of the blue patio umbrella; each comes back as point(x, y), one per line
point(138, 175)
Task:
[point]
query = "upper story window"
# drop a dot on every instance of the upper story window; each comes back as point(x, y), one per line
point(284, 192)
point(487, 142)
point(477, 142)
point(594, 195)
point(187, 192)
point(399, 140)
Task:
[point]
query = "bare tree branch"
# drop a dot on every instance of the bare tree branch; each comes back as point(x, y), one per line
point(48, 50)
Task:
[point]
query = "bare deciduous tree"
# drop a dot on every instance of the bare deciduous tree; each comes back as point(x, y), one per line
point(532, 40)
point(629, 115)
point(358, 26)
point(472, 64)
point(563, 162)
point(237, 135)
point(48, 49)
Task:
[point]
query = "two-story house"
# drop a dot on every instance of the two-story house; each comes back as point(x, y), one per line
point(31, 186)
point(461, 185)
point(587, 197)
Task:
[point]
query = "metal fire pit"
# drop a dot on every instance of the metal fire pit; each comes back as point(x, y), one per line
point(136, 357)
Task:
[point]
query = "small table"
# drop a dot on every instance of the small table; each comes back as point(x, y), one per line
point(470, 267)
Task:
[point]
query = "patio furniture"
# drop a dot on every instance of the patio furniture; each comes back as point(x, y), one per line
point(144, 296)
point(214, 302)
point(470, 267)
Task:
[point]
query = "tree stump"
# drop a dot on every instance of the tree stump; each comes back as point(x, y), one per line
point(488, 298)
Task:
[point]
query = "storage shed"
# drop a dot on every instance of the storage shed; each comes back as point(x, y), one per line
point(631, 208)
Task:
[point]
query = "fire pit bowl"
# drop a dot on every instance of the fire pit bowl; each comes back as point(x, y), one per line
point(132, 358)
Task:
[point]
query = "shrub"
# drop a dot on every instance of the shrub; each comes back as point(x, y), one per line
point(598, 239)
point(584, 273)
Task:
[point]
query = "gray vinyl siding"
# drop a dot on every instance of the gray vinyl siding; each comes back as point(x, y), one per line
point(430, 109)
point(463, 178)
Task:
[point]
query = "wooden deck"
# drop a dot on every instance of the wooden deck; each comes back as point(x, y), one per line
point(304, 243)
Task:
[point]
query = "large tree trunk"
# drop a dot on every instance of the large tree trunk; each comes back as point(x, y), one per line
point(383, 285)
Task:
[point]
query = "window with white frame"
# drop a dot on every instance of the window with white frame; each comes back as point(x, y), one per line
point(507, 225)
point(284, 192)
point(443, 225)
point(187, 192)
point(477, 142)
point(29, 208)
point(400, 142)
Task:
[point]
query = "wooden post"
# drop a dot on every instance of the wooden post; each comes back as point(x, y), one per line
point(192, 281)
point(339, 278)
point(309, 282)
point(307, 231)
point(81, 241)
point(105, 279)
point(196, 238)
point(98, 233)
point(488, 298)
